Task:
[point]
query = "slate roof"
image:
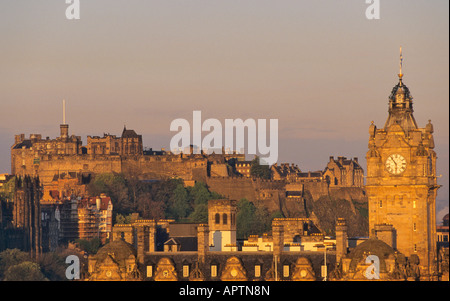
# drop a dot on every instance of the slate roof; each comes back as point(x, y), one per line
point(27, 143)
point(129, 133)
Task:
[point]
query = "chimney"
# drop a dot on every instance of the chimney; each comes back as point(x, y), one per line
point(385, 233)
point(331, 158)
point(152, 236)
point(140, 236)
point(278, 240)
point(202, 241)
point(19, 138)
point(341, 239)
point(355, 159)
point(98, 203)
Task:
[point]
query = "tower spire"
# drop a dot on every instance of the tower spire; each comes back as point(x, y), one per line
point(400, 75)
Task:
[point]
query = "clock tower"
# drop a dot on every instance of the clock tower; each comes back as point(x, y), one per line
point(401, 181)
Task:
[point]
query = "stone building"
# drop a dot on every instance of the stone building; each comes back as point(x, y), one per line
point(442, 231)
point(67, 219)
point(50, 158)
point(222, 224)
point(95, 218)
point(205, 261)
point(401, 182)
point(244, 168)
point(285, 171)
point(344, 172)
point(114, 262)
point(129, 143)
point(27, 214)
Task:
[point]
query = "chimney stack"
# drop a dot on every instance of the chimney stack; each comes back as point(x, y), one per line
point(202, 241)
point(386, 233)
point(341, 239)
point(278, 240)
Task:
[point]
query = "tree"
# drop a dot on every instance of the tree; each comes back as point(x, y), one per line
point(123, 219)
point(90, 246)
point(200, 194)
point(253, 220)
point(179, 202)
point(53, 265)
point(8, 189)
point(245, 218)
point(259, 171)
point(200, 214)
point(115, 186)
point(25, 271)
point(11, 257)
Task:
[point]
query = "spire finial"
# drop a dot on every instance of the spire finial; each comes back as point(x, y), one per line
point(400, 75)
point(64, 111)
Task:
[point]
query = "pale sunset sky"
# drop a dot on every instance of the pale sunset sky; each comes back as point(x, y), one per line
point(320, 67)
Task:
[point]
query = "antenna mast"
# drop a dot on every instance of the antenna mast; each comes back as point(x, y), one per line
point(64, 111)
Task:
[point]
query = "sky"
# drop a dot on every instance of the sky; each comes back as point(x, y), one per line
point(320, 67)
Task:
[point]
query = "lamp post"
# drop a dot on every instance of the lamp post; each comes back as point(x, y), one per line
point(324, 267)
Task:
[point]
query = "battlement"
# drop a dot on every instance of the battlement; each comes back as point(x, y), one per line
point(281, 219)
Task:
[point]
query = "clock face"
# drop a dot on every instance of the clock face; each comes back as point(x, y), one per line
point(396, 164)
point(400, 97)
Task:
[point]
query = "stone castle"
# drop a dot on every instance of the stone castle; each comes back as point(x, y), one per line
point(65, 165)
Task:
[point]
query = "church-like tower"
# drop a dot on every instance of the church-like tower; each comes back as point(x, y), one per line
point(222, 224)
point(401, 181)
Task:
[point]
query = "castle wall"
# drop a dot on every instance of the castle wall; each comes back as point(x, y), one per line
point(234, 188)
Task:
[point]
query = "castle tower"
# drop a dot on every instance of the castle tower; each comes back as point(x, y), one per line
point(222, 223)
point(401, 180)
point(64, 127)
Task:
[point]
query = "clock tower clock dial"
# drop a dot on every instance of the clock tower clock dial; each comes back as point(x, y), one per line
point(395, 164)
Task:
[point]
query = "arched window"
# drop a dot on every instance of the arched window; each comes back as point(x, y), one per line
point(225, 219)
point(217, 218)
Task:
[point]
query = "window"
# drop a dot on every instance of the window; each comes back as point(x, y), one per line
point(285, 270)
point(149, 271)
point(381, 204)
point(185, 270)
point(217, 218)
point(225, 219)
point(414, 204)
point(257, 271)
point(415, 248)
point(214, 270)
point(414, 227)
